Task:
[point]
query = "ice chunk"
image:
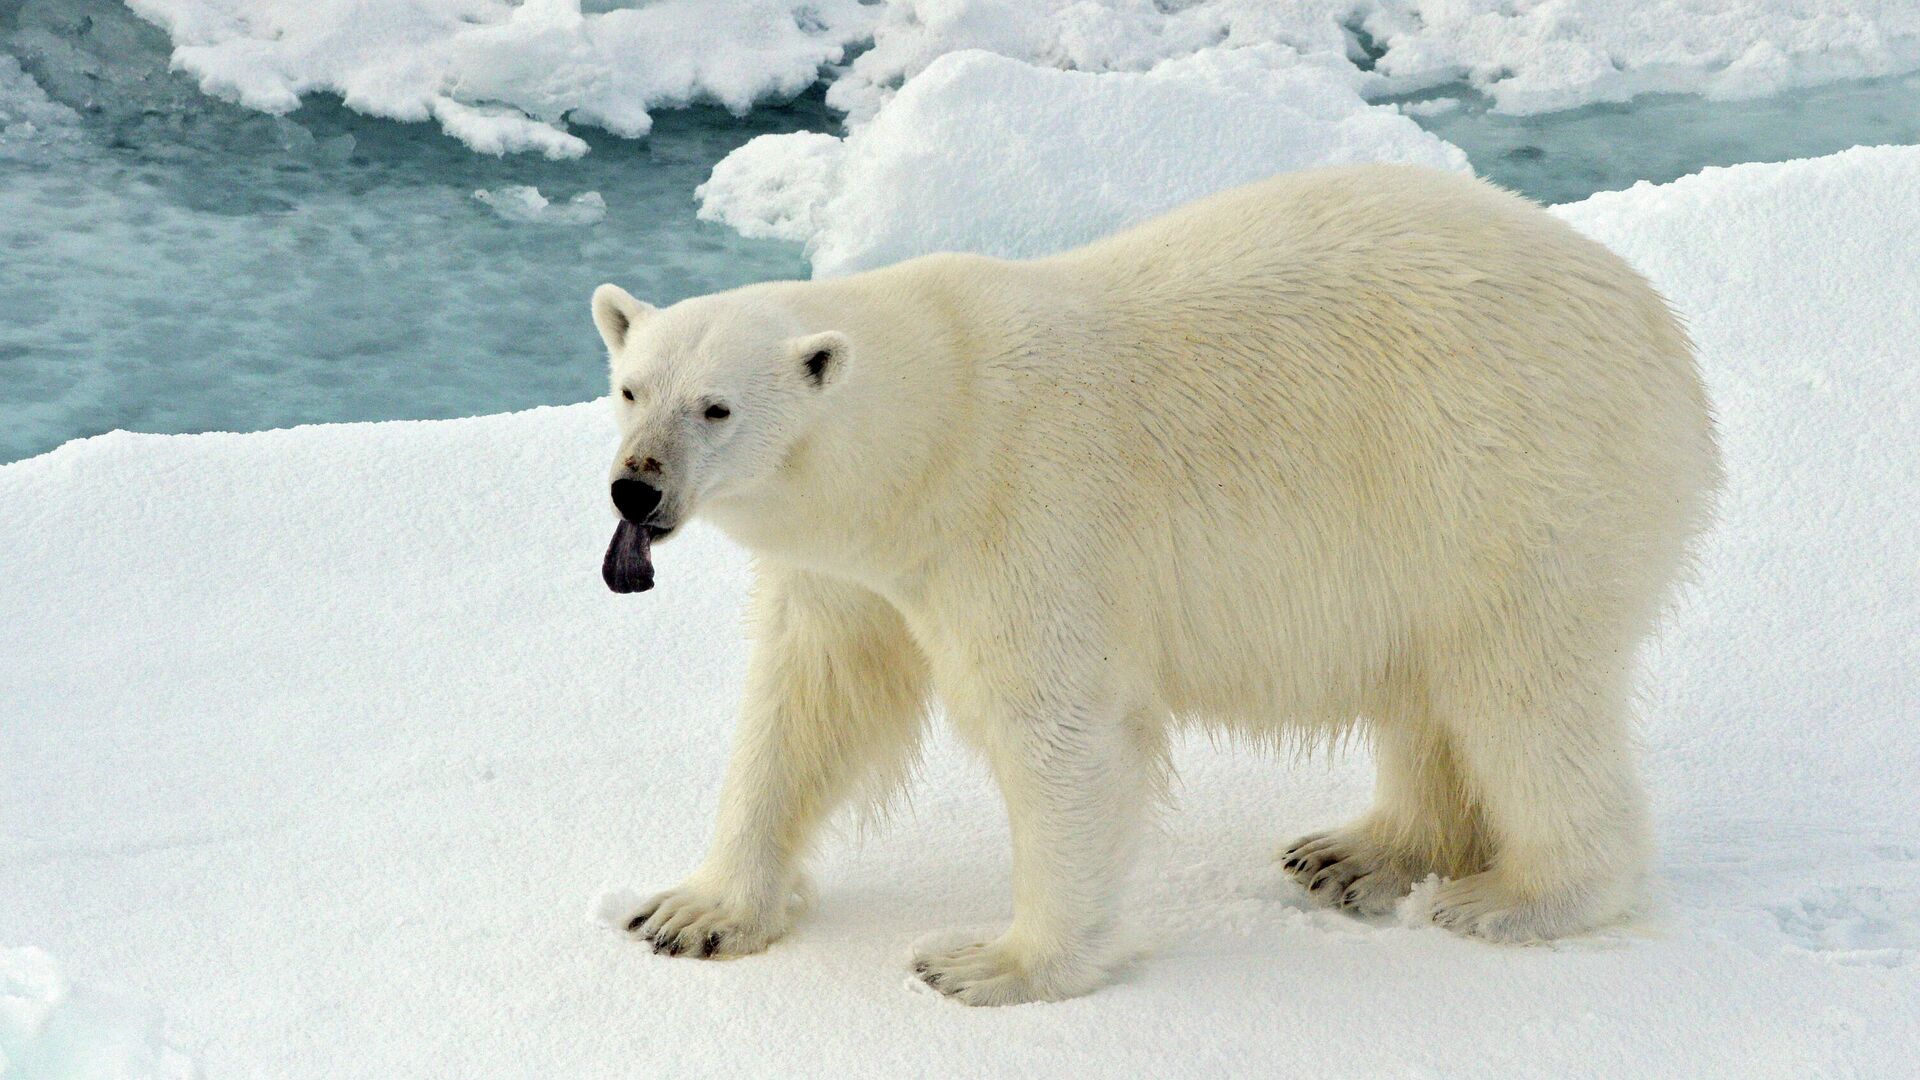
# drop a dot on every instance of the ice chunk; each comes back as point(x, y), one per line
point(524, 203)
point(773, 186)
point(1430, 106)
point(502, 76)
point(31, 124)
point(988, 154)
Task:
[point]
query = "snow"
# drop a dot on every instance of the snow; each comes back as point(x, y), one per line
point(505, 76)
point(774, 186)
point(1528, 55)
point(1535, 56)
point(328, 741)
point(984, 153)
point(1017, 128)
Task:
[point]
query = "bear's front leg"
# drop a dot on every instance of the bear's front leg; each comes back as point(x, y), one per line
point(1077, 781)
point(836, 692)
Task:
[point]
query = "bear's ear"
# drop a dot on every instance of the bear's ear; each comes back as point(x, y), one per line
point(615, 312)
point(821, 357)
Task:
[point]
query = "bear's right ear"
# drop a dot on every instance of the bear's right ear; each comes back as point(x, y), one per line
point(615, 312)
point(820, 357)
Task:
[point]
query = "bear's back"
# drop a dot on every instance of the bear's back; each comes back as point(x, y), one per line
point(1383, 383)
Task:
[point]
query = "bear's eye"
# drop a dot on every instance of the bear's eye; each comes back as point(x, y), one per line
point(626, 393)
point(718, 412)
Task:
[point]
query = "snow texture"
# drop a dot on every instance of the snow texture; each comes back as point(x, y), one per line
point(505, 76)
point(984, 153)
point(324, 739)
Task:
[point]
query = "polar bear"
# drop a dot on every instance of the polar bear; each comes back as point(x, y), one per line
point(1373, 445)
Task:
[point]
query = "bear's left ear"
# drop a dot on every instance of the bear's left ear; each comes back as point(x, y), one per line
point(615, 311)
point(821, 357)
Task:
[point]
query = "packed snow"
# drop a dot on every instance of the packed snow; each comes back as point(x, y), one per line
point(983, 153)
point(324, 742)
point(504, 76)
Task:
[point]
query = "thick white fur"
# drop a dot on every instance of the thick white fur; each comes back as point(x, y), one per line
point(1373, 444)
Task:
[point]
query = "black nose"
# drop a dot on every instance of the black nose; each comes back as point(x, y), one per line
point(635, 499)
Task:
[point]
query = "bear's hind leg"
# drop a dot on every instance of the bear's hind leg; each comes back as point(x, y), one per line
point(1550, 763)
point(1421, 822)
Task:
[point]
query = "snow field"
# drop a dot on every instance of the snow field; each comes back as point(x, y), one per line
point(322, 739)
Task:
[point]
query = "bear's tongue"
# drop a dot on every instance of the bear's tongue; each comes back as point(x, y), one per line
point(627, 567)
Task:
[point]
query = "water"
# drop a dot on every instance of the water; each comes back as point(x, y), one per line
point(1564, 156)
point(172, 263)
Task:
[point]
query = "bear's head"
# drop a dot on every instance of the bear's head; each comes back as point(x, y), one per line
point(711, 395)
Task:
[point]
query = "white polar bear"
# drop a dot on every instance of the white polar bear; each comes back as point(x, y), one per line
point(1374, 444)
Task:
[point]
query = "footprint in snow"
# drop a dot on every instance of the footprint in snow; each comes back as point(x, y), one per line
point(1856, 925)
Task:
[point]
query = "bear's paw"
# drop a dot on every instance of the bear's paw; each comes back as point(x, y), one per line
point(1003, 972)
point(697, 922)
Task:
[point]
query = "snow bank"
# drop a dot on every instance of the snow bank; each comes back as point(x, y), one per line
point(1017, 128)
point(983, 153)
point(1808, 637)
point(324, 738)
point(1535, 56)
point(503, 76)
point(1528, 55)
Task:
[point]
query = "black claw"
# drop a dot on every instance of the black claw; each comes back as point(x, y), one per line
point(1290, 864)
point(920, 967)
point(673, 946)
point(637, 923)
point(711, 945)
